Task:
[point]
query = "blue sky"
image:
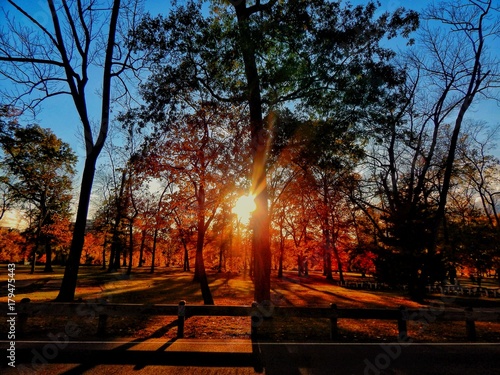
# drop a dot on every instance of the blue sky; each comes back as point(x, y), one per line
point(60, 115)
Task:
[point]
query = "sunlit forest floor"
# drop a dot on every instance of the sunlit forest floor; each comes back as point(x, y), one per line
point(169, 286)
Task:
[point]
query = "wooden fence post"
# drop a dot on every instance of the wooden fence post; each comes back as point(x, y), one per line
point(334, 329)
point(402, 327)
point(181, 317)
point(470, 325)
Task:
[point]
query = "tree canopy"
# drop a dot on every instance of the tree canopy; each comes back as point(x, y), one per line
point(38, 169)
point(314, 56)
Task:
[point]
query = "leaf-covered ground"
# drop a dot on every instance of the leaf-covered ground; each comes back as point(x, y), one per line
point(169, 286)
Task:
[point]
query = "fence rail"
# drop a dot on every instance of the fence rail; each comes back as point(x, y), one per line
point(256, 312)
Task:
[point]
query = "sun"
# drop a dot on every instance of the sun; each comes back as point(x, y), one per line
point(244, 207)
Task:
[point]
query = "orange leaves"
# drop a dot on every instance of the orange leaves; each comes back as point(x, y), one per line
point(12, 245)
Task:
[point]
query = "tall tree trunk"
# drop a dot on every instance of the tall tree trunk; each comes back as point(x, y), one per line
point(259, 137)
point(130, 246)
point(282, 251)
point(327, 253)
point(69, 281)
point(116, 242)
point(200, 274)
point(221, 258)
point(124, 257)
point(39, 237)
point(112, 252)
point(48, 255)
point(339, 264)
point(116, 245)
point(104, 245)
point(68, 284)
point(336, 253)
point(222, 249)
point(186, 256)
point(153, 252)
point(327, 262)
point(141, 250)
point(33, 258)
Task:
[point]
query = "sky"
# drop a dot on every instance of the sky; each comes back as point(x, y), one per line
point(67, 126)
point(60, 115)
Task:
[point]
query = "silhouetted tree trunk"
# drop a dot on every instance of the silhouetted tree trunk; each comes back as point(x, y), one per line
point(336, 250)
point(141, 250)
point(93, 149)
point(124, 253)
point(104, 245)
point(200, 274)
point(48, 256)
point(327, 252)
point(186, 256)
point(260, 219)
point(116, 242)
point(153, 251)
point(339, 264)
point(33, 258)
point(130, 245)
point(282, 251)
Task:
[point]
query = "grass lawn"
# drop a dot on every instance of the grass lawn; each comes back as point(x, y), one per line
point(169, 286)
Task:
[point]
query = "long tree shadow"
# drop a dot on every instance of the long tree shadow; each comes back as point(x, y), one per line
point(126, 355)
point(88, 365)
point(313, 298)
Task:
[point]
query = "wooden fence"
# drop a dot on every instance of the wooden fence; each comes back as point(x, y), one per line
point(257, 314)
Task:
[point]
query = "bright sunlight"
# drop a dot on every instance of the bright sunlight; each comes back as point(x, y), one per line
point(244, 207)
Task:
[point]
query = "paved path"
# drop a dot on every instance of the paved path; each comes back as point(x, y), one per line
point(221, 357)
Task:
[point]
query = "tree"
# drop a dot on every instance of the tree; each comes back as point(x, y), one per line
point(59, 233)
point(160, 216)
point(5, 196)
point(265, 55)
point(479, 169)
point(117, 228)
point(329, 155)
point(411, 165)
point(8, 116)
point(39, 169)
point(477, 176)
point(103, 217)
point(287, 192)
point(293, 216)
point(198, 155)
point(321, 156)
point(463, 71)
point(61, 59)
